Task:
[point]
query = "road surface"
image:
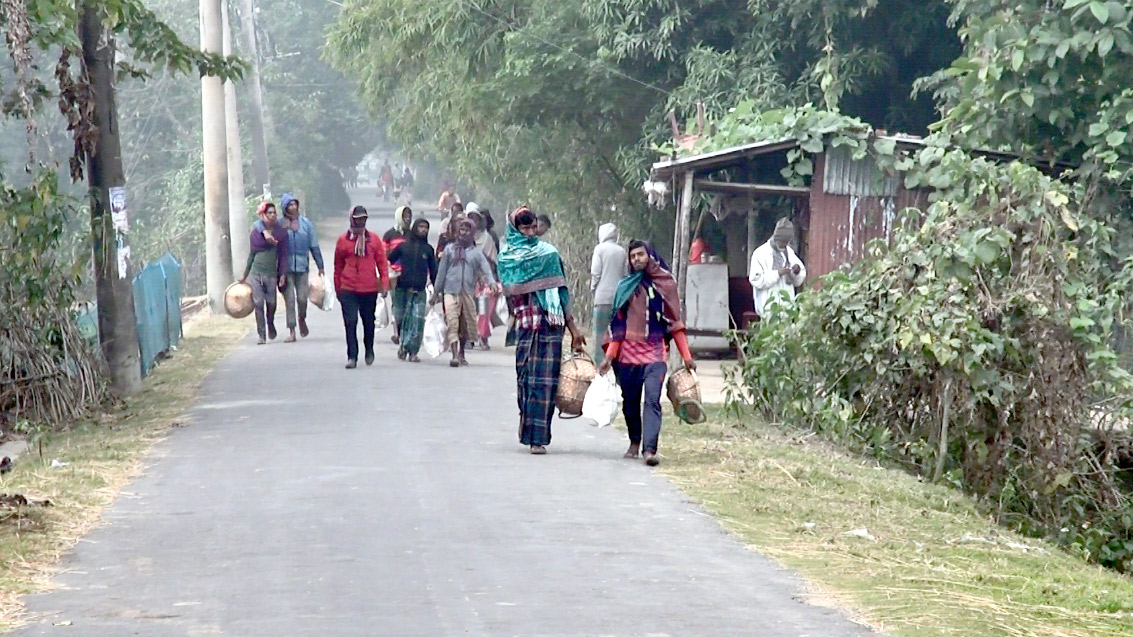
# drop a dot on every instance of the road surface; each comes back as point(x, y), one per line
point(307, 499)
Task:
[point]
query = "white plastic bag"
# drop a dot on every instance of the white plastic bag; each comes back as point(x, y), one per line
point(383, 318)
point(433, 340)
point(330, 296)
point(321, 292)
point(601, 401)
point(502, 312)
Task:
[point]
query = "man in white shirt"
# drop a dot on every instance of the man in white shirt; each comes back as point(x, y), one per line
point(775, 269)
point(608, 267)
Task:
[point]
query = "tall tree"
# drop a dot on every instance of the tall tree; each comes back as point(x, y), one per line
point(113, 280)
point(261, 168)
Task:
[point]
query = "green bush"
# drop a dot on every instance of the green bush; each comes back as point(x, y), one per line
point(975, 349)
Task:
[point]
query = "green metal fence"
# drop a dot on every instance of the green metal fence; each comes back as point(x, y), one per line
point(157, 308)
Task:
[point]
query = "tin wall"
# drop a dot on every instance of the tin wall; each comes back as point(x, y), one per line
point(841, 224)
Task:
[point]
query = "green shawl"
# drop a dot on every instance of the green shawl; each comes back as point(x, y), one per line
point(529, 265)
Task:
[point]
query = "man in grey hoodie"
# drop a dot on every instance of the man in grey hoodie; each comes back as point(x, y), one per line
point(462, 266)
point(608, 266)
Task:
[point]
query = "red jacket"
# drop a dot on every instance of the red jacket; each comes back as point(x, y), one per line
point(353, 273)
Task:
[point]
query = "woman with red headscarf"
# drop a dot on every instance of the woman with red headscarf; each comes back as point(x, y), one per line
point(267, 268)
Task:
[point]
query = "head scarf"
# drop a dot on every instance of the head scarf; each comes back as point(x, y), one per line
point(607, 232)
point(529, 265)
point(399, 222)
point(483, 237)
point(358, 234)
point(646, 303)
point(459, 245)
point(291, 223)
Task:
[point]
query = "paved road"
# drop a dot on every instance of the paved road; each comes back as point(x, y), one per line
point(395, 500)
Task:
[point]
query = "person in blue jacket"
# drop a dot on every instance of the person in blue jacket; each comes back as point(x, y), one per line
point(302, 245)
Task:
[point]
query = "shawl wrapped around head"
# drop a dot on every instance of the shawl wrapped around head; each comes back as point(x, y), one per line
point(647, 306)
point(529, 265)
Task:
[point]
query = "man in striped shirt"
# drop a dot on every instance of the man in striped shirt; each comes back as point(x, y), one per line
point(647, 314)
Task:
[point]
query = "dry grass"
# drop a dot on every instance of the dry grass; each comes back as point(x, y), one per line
point(103, 457)
point(934, 566)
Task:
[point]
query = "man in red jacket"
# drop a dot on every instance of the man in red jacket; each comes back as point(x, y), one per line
point(361, 272)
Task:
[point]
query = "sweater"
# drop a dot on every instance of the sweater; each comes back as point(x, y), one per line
point(364, 275)
point(418, 263)
point(460, 277)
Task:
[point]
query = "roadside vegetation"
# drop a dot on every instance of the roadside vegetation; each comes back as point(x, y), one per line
point(905, 556)
point(82, 468)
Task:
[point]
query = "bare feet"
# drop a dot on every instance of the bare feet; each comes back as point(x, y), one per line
point(290, 337)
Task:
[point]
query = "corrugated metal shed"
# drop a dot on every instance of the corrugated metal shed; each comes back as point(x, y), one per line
point(841, 224)
point(859, 178)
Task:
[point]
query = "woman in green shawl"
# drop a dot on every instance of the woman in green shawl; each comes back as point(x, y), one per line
point(532, 274)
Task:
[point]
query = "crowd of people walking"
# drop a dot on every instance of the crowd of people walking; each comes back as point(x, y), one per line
point(636, 304)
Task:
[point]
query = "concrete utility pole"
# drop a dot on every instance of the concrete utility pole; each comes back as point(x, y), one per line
point(117, 326)
point(238, 225)
point(218, 249)
point(261, 169)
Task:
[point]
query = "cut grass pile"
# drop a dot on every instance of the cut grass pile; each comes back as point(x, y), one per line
point(931, 564)
point(102, 458)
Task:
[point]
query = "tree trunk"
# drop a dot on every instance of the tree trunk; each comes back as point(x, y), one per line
point(117, 325)
point(261, 169)
point(238, 225)
point(218, 248)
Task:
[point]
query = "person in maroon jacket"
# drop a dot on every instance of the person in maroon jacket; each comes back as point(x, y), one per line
point(361, 272)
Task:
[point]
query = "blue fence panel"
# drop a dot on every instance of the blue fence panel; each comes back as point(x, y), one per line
point(172, 270)
point(157, 309)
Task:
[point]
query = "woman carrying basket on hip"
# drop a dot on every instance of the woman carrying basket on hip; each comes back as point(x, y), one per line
point(534, 280)
point(647, 313)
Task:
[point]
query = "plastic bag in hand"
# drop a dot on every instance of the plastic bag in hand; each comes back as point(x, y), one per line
point(383, 318)
point(601, 401)
point(433, 340)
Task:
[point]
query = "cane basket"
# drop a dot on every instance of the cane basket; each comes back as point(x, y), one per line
point(683, 389)
point(238, 300)
point(574, 379)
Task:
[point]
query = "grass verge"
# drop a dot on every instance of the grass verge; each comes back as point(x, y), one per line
point(931, 564)
point(103, 457)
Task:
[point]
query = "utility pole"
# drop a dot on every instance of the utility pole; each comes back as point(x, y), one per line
point(218, 250)
point(261, 169)
point(117, 325)
point(237, 217)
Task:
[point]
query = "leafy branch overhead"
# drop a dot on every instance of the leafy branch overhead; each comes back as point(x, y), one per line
point(39, 28)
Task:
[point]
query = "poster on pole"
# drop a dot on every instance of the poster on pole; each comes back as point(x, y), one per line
point(118, 209)
point(123, 257)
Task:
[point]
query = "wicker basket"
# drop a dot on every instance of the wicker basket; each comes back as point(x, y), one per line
point(683, 389)
point(574, 379)
point(317, 291)
point(238, 300)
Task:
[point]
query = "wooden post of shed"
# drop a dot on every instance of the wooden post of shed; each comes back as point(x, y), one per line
point(683, 239)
